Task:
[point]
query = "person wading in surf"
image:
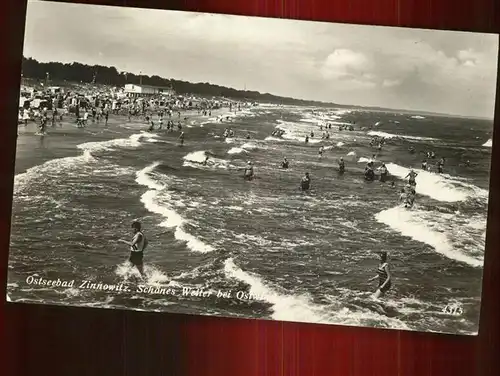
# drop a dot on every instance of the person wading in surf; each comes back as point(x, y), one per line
point(305, 183)
point(248, 171)
point(383, 275)
point(411, 177)
point(137, 246)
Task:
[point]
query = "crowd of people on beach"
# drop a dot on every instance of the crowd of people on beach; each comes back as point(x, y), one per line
point(171, 119)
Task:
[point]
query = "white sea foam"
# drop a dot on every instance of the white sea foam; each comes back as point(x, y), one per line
point(364, 160)
point(53, 166)
point(340, 144)
point(56, 165)
point(195, 159)
point(131, 142)
point(152, 202)
point(411, 224)
point(488, 143)
point(286, 308)
point(301, 308)
point(243, 148)
point(196, 156)
point(351, 154)
point(296, 132)
point(236, 151)
point(271, 138)
point(249, 146)
point(437, 186)
point(391, 135)
point(417, 117)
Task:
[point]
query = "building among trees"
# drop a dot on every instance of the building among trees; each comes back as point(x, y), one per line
point(134, 91)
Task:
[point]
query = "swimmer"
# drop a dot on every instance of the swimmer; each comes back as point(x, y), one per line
point(249, 173)
point(137, 246)
point(248, 136)
point(320, 151)
point(341, 165)
point(306, 140)
point(181, 138)
point(369, 173)
point(383, 173)
point(424, 165)
point(305, 182)
point(383, 276)
point(285, 163)
point(440, 165)
point(411, 177)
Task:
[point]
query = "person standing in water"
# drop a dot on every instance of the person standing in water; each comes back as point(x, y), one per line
point(137, 246)
point(285, 163)
point(411, 177)
point(440, 165)
point(305, 182)
point(320, 151)
point(383, 275)
point(341, 165)
point(181, 138)
point(383, 173)
point(248, 174)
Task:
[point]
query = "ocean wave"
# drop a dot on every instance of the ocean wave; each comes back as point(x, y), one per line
point(415, 225)
point(296, 132)
point(391, 135)
point(245, 148)
point(285, 308)
point(131, 142)
point(196, 159)
point(437, 186)
point(271, 138)
point(364, 159)
point(153, 275)
point(488, 143)
point(162, 206)
point(249, 146)
point(236, 151)
point(22, 180)
point(300, 308)
point(60, 164)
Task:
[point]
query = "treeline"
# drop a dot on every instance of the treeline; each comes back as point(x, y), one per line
point(98, 74)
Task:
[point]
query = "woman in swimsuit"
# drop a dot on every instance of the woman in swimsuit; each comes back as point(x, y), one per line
point(383, 275)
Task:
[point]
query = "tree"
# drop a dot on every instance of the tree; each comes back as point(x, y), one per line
point(77, 72)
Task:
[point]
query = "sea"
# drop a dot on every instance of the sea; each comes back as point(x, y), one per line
point(261, 249)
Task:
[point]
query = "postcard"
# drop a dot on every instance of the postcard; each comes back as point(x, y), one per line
point(252, 167)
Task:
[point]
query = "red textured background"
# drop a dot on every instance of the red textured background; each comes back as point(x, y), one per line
point(43, 340)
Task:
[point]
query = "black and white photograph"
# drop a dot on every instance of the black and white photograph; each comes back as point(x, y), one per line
point(256, 168)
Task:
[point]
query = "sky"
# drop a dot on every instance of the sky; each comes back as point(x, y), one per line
point(411, 69)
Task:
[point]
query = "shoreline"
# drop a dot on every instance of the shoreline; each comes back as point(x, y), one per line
point(61, 141)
